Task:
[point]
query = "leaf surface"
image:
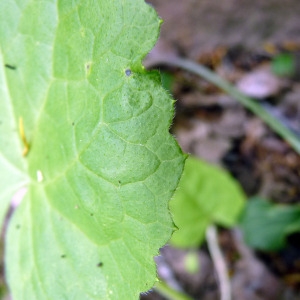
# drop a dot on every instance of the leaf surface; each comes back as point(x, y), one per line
point(265, 225)
point(206, 194)
point(101, 165)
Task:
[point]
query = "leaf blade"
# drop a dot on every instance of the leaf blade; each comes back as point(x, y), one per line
point(206, 194)
point(98, 137)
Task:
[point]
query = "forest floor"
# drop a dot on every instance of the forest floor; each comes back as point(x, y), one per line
point(238, 39)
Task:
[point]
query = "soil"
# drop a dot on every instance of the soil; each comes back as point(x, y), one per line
point(196, 27)
point(237, 39)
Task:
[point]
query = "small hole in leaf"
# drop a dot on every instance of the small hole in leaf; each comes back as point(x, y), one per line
point(128, 72)
point(100, 264)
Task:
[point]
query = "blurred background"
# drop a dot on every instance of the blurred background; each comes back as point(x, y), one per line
point(243, 179)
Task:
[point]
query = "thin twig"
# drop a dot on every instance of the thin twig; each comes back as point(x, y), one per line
point(219, 262)
point(252, 105)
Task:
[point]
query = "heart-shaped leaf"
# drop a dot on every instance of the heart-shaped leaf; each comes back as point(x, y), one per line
point(206, 194)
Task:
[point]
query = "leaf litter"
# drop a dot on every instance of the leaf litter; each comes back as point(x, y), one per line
point(213, 126)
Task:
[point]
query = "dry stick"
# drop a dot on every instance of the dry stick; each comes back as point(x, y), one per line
point(219, 262)
point(249, 103)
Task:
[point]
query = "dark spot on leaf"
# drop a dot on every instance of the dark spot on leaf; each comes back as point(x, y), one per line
point(119, 181)
point(73, 123)
point(128, 72)
point(88, 67)
point(10, 67)
point(18, 226)
point(100, 264)
point(91, 214)
point(63, 256)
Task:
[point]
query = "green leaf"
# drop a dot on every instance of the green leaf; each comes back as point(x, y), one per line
point(167, 80)
point(284, 65)
point(265, 225)
point(101, 166)
point(206, 194)
point(192, 262)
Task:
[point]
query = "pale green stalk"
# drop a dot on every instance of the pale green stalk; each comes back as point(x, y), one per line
point(169, 293)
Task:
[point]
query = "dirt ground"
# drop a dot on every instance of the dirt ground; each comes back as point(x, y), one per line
point(237, 39)
point(195, 27)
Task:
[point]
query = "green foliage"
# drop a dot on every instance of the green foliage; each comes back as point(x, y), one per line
point(101, 165)
point(284, 65)
point(192, 262)
point(167, 80)
point(266, 225)
point(206, 194)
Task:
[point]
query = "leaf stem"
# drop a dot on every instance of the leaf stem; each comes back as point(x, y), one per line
point(219, 262)
point(166, 291)
point(249, 103)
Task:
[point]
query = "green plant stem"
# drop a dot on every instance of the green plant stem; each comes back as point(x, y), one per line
point(166, 291)
point(249, 103)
